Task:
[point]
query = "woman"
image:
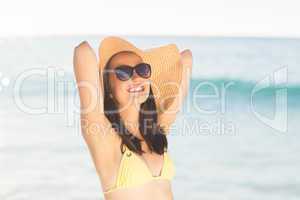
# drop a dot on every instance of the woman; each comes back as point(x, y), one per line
point(126, 111)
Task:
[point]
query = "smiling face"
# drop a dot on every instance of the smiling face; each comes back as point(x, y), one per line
point(133, 91)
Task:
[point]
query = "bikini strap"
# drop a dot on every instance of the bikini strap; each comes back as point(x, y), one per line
point(123, 148)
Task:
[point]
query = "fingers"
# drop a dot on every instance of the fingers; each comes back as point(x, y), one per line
point(187, 62)
point(84, 56)
point(187, 58)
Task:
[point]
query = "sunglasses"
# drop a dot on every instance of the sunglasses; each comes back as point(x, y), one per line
point(125, 72)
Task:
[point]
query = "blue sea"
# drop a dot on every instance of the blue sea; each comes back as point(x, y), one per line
point(236, 137)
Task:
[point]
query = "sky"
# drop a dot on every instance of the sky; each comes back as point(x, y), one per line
point(259, 18)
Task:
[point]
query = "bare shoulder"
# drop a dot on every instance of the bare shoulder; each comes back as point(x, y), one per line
point(102, 140)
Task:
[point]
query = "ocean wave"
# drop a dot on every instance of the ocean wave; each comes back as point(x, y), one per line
point(39, 86)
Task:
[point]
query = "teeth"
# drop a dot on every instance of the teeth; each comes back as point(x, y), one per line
point(136, 89)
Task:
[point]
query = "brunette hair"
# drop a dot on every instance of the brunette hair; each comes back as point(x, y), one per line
point(150, 130)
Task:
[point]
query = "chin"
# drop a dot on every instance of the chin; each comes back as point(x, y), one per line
point(140, 98)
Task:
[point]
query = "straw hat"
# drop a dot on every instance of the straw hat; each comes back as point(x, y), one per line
point(166, 68)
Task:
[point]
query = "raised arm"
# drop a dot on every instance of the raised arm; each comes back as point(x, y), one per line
point(168, 116)
point(87, 78)
point(96, 129)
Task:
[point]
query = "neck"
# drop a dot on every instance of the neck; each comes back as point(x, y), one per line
point(130, 116)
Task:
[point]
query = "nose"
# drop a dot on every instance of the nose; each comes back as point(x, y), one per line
point(135, 75)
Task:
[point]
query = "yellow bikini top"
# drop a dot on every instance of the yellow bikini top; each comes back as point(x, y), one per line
point(133, 171)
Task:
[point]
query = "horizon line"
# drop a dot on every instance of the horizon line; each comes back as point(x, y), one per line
point(264, 36)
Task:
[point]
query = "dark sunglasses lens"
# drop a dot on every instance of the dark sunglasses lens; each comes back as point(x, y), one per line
point(124, 72)
point(144, 70)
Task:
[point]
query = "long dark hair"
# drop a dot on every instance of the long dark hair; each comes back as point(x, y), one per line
point(150, 130)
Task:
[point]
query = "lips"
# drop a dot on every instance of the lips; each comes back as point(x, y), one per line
point(136, 88)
